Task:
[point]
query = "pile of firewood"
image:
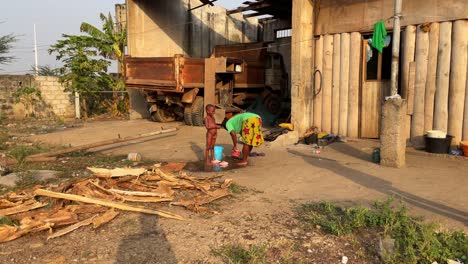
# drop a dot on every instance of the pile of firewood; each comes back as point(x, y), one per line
point(99, 199)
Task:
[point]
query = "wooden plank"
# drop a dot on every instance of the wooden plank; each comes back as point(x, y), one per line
point(104, 218)
point(411, 80)
point(318, 83)
point(102, 143)
point(327, 83)
point(22, 208)
point(354, 81)
point(336, 83)
point(417, 123)
point(120, 206)
point(409, 41)
point(344, 84)
point(411, 77)
point(72, 228)
point(458, 80)
point(371, 107)
point(465, 116)
point(431, 77)
point(443, 77)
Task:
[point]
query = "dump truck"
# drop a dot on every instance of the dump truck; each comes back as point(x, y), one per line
point(234, 76)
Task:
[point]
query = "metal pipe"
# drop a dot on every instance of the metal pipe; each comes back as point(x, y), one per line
point(396, 47)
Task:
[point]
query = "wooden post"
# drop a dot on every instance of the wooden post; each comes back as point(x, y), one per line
point(431, 77)
point(302, 64)
point(409, 41)
point(465, 118)
point(344, 82)
point(442, 78)
point(318, 83)
point(457, 80)
point(417, 124)
point(353, 93)
point(395, 47)
point(336, 83)
point(327, 83)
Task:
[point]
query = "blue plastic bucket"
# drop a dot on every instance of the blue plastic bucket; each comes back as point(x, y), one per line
point(218, 152)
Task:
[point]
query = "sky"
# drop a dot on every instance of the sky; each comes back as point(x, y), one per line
point(52, 18)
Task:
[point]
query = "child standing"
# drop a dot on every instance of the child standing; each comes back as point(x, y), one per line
point(211, 133)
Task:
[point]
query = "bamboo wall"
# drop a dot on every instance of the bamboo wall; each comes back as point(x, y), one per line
point(433, 78)
point(336, 100)
point(437, 95)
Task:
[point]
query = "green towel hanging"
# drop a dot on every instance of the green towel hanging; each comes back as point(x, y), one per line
point(378, 38)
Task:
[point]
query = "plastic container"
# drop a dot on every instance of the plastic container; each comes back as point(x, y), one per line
point(218, 152)
point(134, 156)
point(464, 147)
point(436, 134)
point(438, 145)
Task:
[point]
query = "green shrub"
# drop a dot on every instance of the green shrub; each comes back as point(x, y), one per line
point(415, 241)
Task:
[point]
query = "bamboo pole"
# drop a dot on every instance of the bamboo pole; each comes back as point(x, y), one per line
point(353, 93)
point(344, 82)
point(121, 206)
point(100, 144)
point(409, 41)
point(442, 79)
point(336, 83)
point(457, 80)
point(417, 124)
point(318, 83)
point(327, 83)
point(431, 77)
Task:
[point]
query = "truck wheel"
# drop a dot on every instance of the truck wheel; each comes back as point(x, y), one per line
point(197, 111)
point(188, 115)
point(163, 116)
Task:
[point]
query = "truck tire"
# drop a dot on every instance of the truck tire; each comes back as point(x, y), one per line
point(197, 111)
point(188, 115)
point(163, 116)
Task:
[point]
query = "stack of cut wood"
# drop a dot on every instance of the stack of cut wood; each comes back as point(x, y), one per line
point(99, 199)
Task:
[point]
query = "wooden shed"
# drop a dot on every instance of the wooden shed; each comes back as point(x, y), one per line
point(339, 81)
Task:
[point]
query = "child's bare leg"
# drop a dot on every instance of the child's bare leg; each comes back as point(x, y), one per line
point(246, 149)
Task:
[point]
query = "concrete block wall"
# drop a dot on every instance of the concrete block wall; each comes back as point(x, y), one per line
point(61, 103)
point(55, 102)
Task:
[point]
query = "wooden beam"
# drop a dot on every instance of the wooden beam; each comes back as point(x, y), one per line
point(431, 77)
point(336, 84)
point(417, 123)
point(253, 6)
point(327, 82)
point(353, 93)
point(457, 80)
point(318, 84)
point(78, 198)
point(443, 77)
point(344, 84)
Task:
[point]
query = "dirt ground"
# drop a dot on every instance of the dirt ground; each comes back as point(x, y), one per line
point(432, 186)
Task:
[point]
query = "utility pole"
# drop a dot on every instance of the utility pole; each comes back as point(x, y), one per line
point(396, 47)
point(35, 52)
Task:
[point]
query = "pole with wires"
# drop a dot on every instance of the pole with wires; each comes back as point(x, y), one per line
point(35, 52)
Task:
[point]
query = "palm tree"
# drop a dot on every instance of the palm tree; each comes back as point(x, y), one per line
point(110, 44)
point(5, 46)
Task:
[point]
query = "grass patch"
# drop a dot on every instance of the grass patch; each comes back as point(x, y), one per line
point(237, 189)
point(415, 241)
point(20, 152)
point(238, 254)
point(4, 220)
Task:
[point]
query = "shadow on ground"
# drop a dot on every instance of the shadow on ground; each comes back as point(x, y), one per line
point(383, 186)
point(150, 245)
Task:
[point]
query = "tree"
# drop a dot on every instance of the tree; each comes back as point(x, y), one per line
point(5, 46)
point(45, 70)
point(82, 71)
point(110, 42)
